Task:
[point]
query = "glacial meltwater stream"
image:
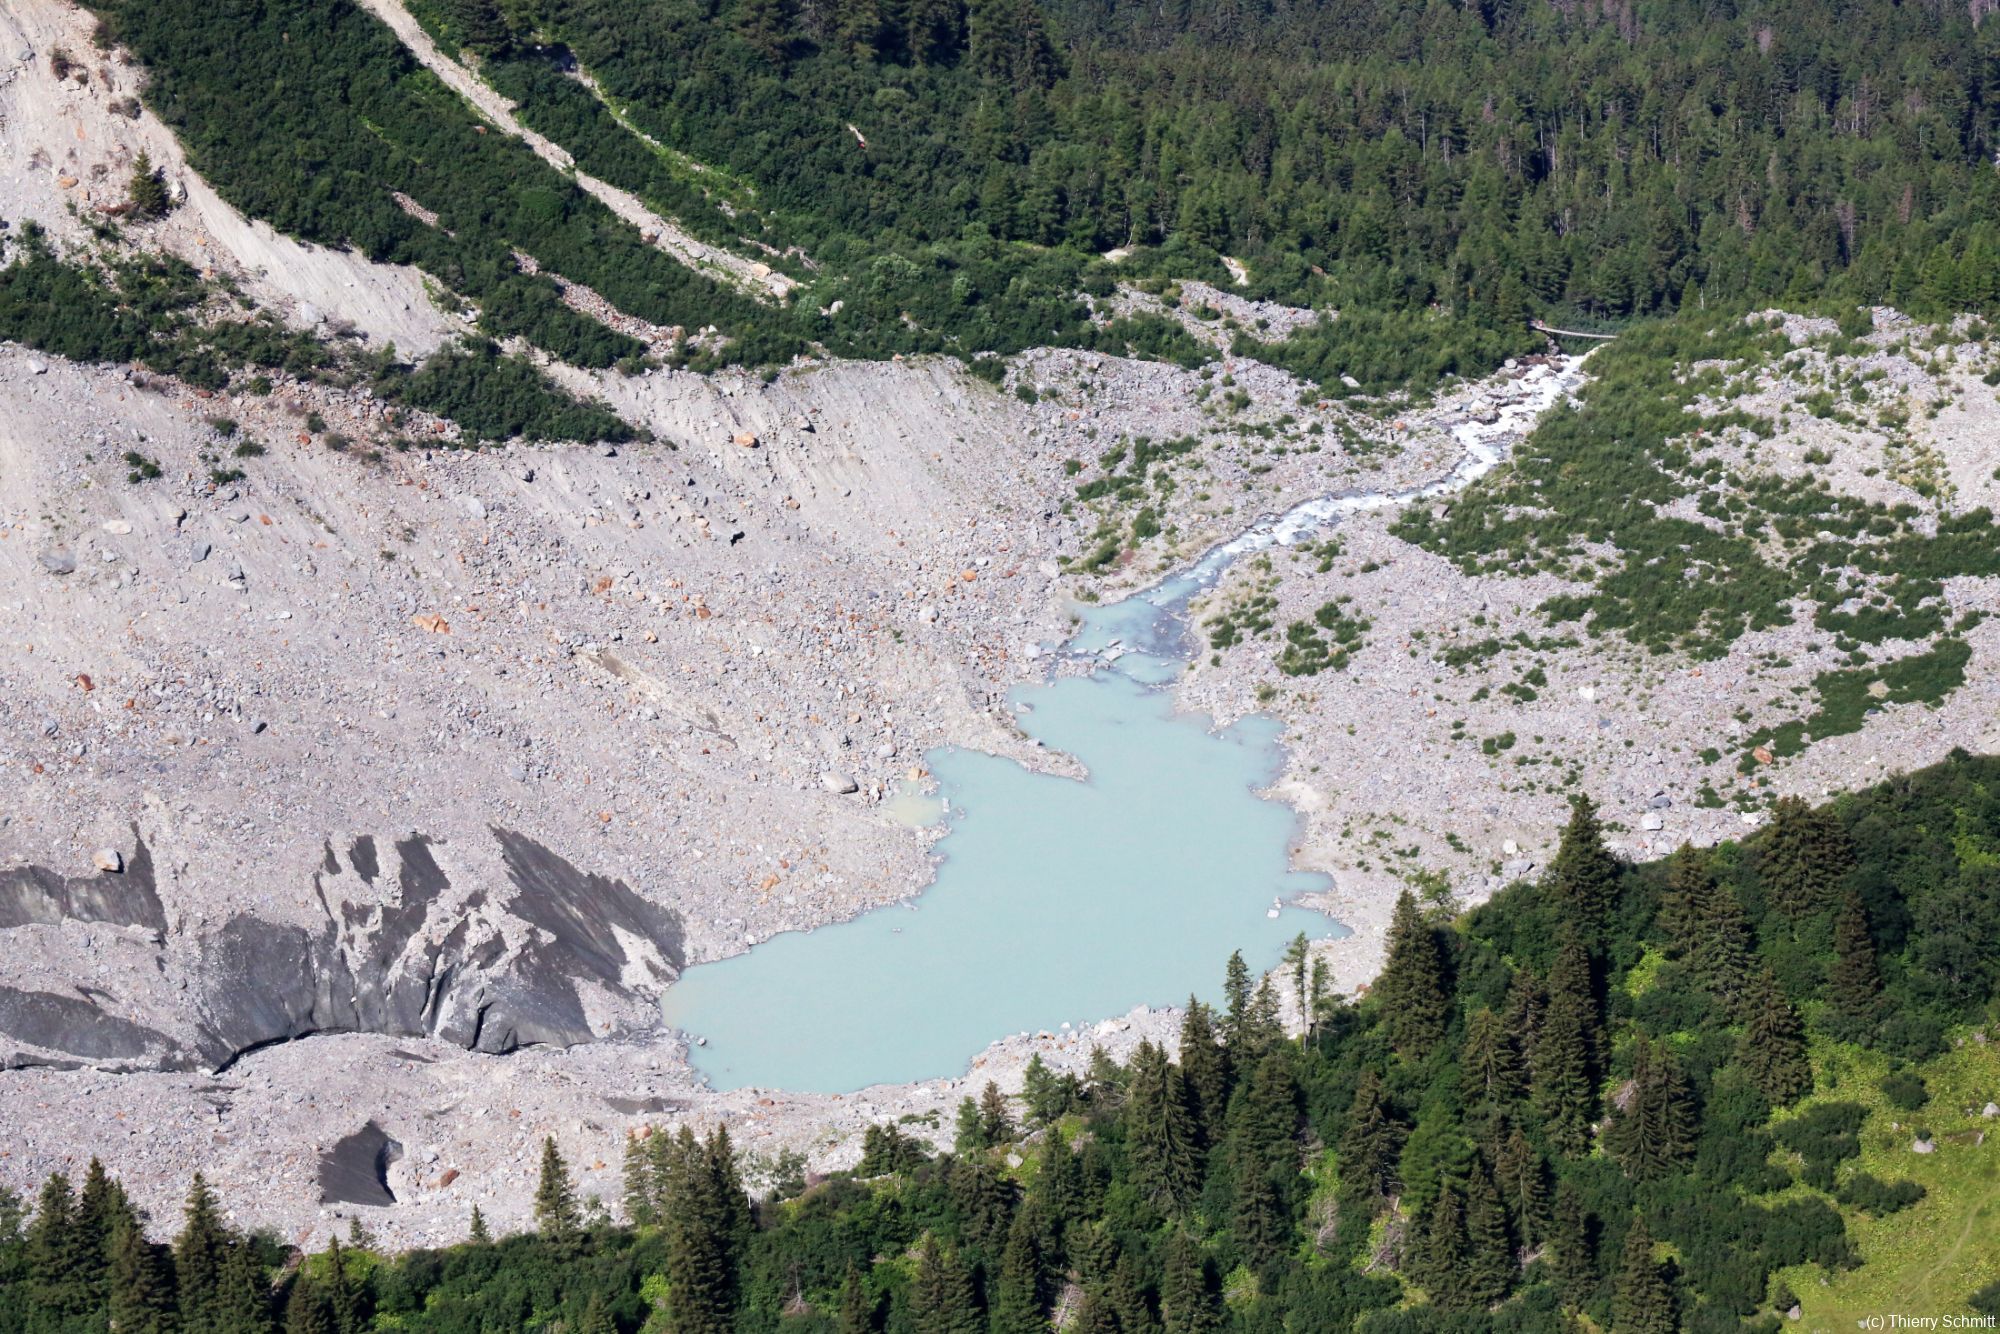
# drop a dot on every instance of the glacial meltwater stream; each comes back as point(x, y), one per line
point(1056, 900)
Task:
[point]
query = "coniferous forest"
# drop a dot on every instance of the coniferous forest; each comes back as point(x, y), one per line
point(944, 175)
point(1649, 1097)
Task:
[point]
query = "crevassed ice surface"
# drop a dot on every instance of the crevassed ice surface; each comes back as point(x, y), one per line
point(1056, 900)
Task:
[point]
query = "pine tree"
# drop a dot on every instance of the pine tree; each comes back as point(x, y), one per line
point(1320, 999)
point(142, 1284)
point(857, 1308)
point(1258, 1218)
point(1298, 957)
point(243, 1296)
point(1522, 1015)
point(1642, 1303)
point(1489, 1260)
point(1372, 1144)
point(1205, 1067)
point(641, 1203)
point(1412, 989)
point(1803, 858)
point(1188, 1300)
point(970, 1135)
point(1047, 1095)
point(60, 1263)
point(1713, 934)
point(941, 1295)
point(1490, 1062)
point(1583, 878)
point(199, 1252)
point(1159, 1134)
point(1122, 1295)
point(996, 1122)
point(307, 1310)
point(1854, 984)
point(1443, 1252)
point(101, 1212)
point(1059, 1184)
point(1266, 1116)
point(708, 1224)
point(343, 1297)
point(1574, 1254)
point(557, 1216)
point(479, 1234)
point(1236, 999)
point(1020, 1302)
point(1772, 1049)
point(1522, 1179)
point(1265, 1029)
point(1564, 1085)
point(146, 196)
point(1654, 1133)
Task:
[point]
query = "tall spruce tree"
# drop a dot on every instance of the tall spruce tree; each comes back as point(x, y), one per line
point(60, 1259)
point(1491, 1063)
point(1712, 932)
point(996, 1121)
point(1803, 858)
point(1564, 1084)
point(1046, 1094)
point(1412, 988)
point(308, 1310)
point(1654, 1133)
point(1188, 1300)
point(708, 1224)
point(1489, 1259)
point(642, 1204)
point(243, 1297)
point(1854, 1006)
point(1265, 1029)
point(1205, 1067)
point(1236, 986)
point(476, 1231)
point(1160, 1139)
point(1298, 958)
point(941, 1295)
point(1059, 1184)
point(1642, 1302)
point(1521, 1017)
point(1443, 1251)
point(1372, 1144)
point(1319, 1000)
point(1522, 1179)
point(101, 1211)
point(857, 1308)
point(1572, 1244)
point(1021, 1297)
point(1772, 1049)
point(1258, 1215)
point(1583, 878)
point(969, 1129)
point(557, 1214)
point(1265, 1118)
point(141, 1283)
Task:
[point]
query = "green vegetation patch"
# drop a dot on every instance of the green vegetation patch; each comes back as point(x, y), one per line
point(1324, 643)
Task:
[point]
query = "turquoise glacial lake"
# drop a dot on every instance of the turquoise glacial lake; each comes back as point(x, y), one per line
point(1058, 900)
